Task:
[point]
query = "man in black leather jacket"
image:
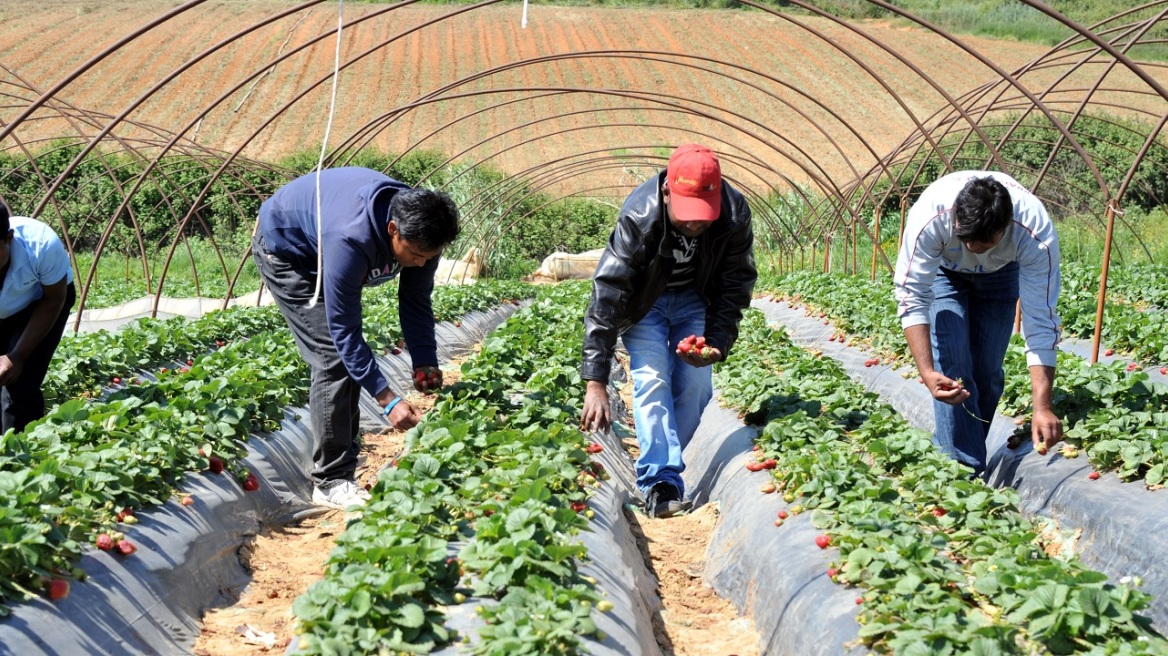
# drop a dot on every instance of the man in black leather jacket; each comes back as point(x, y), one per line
point(680, 263)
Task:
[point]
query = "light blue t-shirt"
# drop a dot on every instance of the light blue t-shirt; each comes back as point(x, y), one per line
point(36, 257)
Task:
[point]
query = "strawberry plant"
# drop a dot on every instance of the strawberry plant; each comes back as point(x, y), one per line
point(974, 578)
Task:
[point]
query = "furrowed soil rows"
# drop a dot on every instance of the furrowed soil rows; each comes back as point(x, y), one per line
point(454, 48)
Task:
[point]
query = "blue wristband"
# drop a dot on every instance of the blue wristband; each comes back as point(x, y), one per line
point(389, 406)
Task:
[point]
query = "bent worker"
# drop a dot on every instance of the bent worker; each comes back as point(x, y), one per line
point(36, 295)
point(680, 263)
point(372, 229)
point(974, 242)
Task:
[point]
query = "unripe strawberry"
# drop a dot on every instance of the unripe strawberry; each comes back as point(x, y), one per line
point(604, 605)
point(767, 488)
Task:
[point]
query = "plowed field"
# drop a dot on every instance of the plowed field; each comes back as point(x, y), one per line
point(794, 97)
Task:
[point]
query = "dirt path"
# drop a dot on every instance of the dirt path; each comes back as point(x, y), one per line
point(286, 560)
point(696, 621)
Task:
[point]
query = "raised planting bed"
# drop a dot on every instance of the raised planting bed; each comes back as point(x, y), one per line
point(1120, 521)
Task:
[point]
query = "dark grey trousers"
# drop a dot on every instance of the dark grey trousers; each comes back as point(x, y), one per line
point(333, 396)
point(23, 401)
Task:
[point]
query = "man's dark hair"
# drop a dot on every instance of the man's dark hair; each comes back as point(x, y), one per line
point(427, 218)
point(5, 225)
point(983, 209)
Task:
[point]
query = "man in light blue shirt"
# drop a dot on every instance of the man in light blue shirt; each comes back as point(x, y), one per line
point(36, 295)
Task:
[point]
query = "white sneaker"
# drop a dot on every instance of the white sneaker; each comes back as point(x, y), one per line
point(342, 495)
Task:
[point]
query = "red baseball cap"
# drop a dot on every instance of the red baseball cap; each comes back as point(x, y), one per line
point(695, 183)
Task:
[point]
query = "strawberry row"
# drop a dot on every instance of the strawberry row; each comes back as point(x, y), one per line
point(86, 363)
point(487, 504)
point(67, 477)
point(1113, 412)
point(938, 559)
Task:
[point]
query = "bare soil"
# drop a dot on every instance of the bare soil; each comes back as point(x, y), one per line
point(779, 95)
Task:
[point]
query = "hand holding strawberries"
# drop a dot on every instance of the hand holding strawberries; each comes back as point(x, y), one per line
point(945, 389)
point(427, 378)
point(695, 351)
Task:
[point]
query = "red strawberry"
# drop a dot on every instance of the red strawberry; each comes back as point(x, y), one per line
point(1164, 371)
point(420, 376)
point(579, 506)
point(215, 464)
point(163, 370)
point(105, 542)
point(126, 547)
point(753, 466)
point(458, 324)
point(1109, 352)
point(859, 600)
point(187, 500)
point(395, 350)
point(940, 512)
point(118, 381)
point(183, 370)
point(1133, 366)
point(124, 513)
point(822, 541)
point(1093, 476)
point(767, 488)
point(769, 463)
point(58, 589)
point(684, 346)
point(782, 514)
point(251, 483)
point(594, 448)
point(219, 343)
point(756, 447)
point(190, 362)
point(831, 572)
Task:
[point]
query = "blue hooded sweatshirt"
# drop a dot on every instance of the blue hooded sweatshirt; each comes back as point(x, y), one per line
point(355, 243)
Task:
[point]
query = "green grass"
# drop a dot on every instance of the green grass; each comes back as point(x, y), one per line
point(120, 279)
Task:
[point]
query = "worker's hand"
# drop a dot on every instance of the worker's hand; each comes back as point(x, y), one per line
point(9, 370)
point(597, 414)
point(402, 416)
point(945, 389)
point(694, 351)
point(427, 378)
point(1046, 430)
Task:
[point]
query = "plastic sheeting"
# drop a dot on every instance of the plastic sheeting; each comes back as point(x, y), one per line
point(1122, 523)
point(187, 558)
point(775, 574)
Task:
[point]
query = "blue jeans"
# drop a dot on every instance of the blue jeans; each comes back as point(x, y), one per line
point(971, 319)
point(668, 394)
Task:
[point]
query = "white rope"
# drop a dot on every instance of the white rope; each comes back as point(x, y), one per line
point(523, 23)
point(323, 148)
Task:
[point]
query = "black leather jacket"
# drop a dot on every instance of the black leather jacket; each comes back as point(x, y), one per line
point(638, 261)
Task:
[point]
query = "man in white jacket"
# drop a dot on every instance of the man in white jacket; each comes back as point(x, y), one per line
point(974, 241)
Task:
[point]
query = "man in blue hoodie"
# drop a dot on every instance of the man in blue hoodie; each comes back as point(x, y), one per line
point(373, 228)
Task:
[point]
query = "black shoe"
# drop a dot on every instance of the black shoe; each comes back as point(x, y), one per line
point(664, 500)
